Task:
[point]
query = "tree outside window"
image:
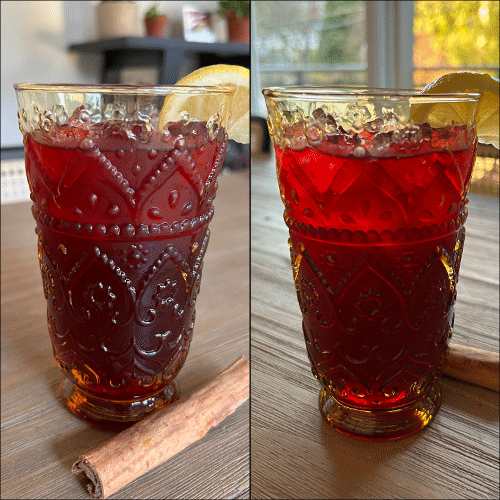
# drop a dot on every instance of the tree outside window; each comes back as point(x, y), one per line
point(454, 36)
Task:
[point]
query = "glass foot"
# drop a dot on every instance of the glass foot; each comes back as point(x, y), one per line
point(381, 424)
point(114, 414)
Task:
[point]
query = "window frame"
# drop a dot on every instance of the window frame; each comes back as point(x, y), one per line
point(390, 51)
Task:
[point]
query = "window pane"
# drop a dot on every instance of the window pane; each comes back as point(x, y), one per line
point(454, 36)
point(316, 43)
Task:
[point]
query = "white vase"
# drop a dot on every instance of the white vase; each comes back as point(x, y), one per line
point(117, 19)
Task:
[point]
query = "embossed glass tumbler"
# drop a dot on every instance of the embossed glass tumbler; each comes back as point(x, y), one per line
point(122, 188)
point(374, 185)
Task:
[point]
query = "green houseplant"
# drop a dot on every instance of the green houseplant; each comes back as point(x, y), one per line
point(155, 22)
point(237, 14)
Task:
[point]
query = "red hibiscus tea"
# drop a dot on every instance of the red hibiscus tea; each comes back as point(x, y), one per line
point(122, 209)
point(375, 209)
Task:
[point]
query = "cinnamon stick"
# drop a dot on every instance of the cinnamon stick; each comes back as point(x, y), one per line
point(156, 438)
point(473, 365)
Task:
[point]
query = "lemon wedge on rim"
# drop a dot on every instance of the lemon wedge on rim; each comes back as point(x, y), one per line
point(204, 105)
point(487, 124)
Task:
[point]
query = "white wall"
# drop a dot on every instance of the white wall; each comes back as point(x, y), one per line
point(34, 37)
point(34, 40)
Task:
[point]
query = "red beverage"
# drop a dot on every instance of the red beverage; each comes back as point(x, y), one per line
point(375, 204)
point(374, 184)
point(376, 271)
point(122, 218)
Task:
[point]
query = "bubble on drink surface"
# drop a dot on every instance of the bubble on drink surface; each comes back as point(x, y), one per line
point(314, 133)
point(80, 118)
point(298, 143)
point(296, 135)
point(359, 152)
point(86, 144)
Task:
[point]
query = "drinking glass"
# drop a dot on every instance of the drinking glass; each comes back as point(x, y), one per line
point(374, 184)
point(122, 195)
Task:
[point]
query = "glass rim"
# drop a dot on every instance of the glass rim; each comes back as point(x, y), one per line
point(346, 94)
point(121, 89)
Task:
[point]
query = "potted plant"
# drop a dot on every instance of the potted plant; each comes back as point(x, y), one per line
point(116, 19)
point(237, 14)
point(155, 22)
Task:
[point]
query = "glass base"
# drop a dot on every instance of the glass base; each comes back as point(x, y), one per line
point(114, 414)
point(381, 424)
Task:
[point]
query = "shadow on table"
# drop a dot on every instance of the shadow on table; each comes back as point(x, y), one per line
point(355, 461)
point(68, 448)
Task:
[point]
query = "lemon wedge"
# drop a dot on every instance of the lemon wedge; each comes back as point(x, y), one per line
point(468, 81)
point(203, 106)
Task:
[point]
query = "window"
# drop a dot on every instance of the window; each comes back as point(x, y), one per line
point(341, 43)
point(316, 43)
point(388, 44)
point(453, 36)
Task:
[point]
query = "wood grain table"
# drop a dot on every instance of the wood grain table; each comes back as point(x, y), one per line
point(294, 452)
point(40, 439)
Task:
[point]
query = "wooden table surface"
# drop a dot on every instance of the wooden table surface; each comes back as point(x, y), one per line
point(41, 440)
point(294, 452)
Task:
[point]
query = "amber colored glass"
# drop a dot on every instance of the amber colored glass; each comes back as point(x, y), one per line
point(122, 209)
point(374, 184)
